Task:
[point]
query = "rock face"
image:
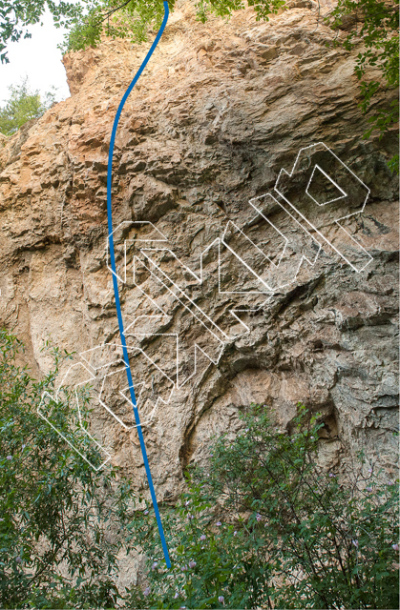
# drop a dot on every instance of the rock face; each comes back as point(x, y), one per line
point(232, 291)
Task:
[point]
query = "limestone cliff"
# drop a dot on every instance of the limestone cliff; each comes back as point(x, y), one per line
point(282, 306)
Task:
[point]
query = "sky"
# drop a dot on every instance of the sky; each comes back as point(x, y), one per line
point(37, 58)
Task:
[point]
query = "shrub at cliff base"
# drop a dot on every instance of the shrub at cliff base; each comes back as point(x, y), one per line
point(263, 527)
point(55, 509)
point(260, 527)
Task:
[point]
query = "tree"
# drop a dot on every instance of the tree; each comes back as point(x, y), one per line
point(60, 520)
point(22, 106)
point(134, 18)
point(17, 15)
point(262, 526)
point(376, 24)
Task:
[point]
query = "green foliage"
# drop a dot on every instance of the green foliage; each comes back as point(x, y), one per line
point(130, 19)
point(377, 26)
point(262, 526)
point(59, 518)
point(17, 15)
point(134, 18)
point(22, 106)
point(225, 8)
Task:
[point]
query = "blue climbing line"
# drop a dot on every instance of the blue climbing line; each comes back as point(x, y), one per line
point(115, 282)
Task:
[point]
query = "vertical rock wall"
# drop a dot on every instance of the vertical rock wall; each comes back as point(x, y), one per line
point(220, 110)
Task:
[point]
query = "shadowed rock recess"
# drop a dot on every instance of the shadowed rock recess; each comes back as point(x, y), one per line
point(220, 110)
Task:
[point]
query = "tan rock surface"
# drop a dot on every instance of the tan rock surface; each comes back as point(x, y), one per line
point(220, 110)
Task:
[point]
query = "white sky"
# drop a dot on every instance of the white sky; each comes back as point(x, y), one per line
point(37, 58)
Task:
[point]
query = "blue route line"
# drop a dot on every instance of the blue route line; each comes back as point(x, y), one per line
point(115, 282)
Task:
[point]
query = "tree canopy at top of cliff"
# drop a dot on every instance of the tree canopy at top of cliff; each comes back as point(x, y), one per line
point(17, 15)
point(375, 21)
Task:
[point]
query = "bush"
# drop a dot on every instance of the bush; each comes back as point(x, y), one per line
point(60, 518)
point(376, 23)
point(263, 527)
